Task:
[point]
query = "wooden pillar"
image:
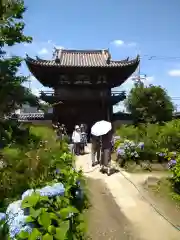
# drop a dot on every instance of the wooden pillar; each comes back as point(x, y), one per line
point(109, 106)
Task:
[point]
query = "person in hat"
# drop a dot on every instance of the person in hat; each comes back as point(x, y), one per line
point(76, 138)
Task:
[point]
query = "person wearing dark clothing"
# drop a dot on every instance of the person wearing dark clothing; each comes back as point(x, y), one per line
point(106, 146)
point(95, 150)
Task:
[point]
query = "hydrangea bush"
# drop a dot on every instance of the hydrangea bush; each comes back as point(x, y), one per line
point(52, 212)
point(165, 155)
point(129, 150)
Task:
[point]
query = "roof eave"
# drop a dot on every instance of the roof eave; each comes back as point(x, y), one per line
point(44, 63)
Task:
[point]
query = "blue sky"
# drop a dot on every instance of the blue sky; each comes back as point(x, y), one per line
point(125, 27)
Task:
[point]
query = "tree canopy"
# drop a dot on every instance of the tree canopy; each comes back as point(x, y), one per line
point(12, 93)
point(149, 104)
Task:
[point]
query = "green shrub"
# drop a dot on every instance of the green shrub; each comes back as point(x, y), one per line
point(128, 132)
point(176, 175)
point(170, 136)
point(156, 137)
point(41, 163)
point(26, 167)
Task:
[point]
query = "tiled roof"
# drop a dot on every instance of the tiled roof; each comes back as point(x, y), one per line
point(24, 116)
point(82, 58)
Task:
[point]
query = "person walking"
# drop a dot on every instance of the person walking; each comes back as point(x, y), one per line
point(76, 138)
point(106, 145)
point(59, 132)
point(95, 150)
point(83, 139)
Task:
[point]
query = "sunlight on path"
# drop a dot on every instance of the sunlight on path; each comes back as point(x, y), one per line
point(148, 225)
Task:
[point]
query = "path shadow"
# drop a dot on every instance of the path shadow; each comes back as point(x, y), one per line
point(113, 170)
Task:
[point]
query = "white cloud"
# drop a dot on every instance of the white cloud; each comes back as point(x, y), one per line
point(118, 43)
point(174, 73)
point(121, 43)
point(43, 51)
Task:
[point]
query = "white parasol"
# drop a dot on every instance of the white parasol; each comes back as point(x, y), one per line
point(101, 128)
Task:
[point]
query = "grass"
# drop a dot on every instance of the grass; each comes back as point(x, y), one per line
point(162, 196)
point(165, 189)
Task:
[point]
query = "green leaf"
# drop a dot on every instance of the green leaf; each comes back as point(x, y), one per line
point(44, 220)
point(52, 229)
point(53, 216)
point(30, 201)
point(35, 234)
point(23, 235)
point(64, 212)
point(44, 198)
point(29, 219)
point(47, 237)
point(62, 231)
point(35, 213)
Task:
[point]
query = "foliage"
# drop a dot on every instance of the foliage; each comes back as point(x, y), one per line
point(29, 165)
point(176, 175)
point(149, 104)
point(169, 136)
point(157, 138)
point(128, 132)
point(12, 93)
point(34, 168)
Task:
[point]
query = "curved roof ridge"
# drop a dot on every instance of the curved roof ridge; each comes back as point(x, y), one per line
point(83, 50)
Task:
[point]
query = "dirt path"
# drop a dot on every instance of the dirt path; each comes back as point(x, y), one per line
point(133, 216)
point(105, 220)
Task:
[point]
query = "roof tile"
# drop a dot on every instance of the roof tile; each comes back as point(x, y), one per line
point(83, 58)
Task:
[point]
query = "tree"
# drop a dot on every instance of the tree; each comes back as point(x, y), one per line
point(149, 104)
point(12, 93)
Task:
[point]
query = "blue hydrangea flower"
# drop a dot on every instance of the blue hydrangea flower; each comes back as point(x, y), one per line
point(57, 171)
point(129, 144)
point(141, 145)
point(121, 152)
point(2, 216)
point(161, 154)
point(172, 163)
point(52, 191)
point(15, 218)
point(56, 189)
point(134, 154)
point(78, 183)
